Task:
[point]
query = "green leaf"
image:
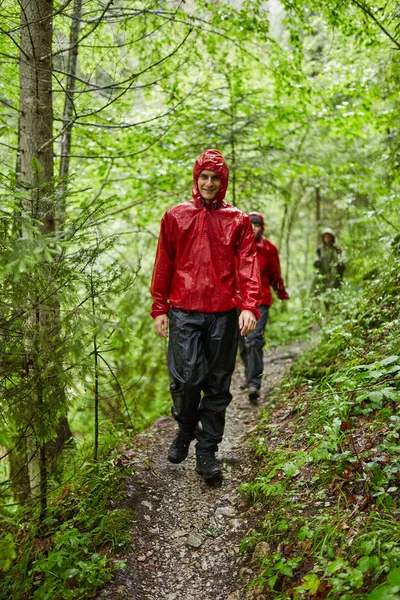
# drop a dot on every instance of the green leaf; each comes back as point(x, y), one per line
point(311, 583)
point(377, 374)
point(305, 532)
point(272, 581)
point(69, 573)
point(368, 546)
point(376, 396)
point(390, 393)
point(336, 565)
point(283, 525)
point(394, 576)
point(290, 469)
point(389, 359)
point(366, 563)
point(356, 577)
point(384, 593)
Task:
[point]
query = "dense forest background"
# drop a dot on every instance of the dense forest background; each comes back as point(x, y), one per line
point(104, 106)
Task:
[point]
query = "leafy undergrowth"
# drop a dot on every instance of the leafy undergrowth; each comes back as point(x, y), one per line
point(68, 556)
point(328, 456)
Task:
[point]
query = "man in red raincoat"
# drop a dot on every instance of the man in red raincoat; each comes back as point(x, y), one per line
point(196, 291)
point(251, 347)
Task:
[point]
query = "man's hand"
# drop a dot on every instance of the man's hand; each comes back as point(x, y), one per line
point(161, 325)
point(247, 322)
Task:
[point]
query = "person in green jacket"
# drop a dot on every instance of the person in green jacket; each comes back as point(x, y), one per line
point(329, 261)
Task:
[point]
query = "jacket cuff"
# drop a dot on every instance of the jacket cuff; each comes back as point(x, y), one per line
point(159, 311)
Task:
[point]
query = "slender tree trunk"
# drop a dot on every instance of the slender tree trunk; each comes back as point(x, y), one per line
point(232, 141)
point(290, 219)
point(16, 229)
point(283, 237)
point(306, 254)
point(96, 399)
point(42, 446)
point(96, 377)
point(318, 210)
point(284, 219)
point(287, 262)
point(67, 123)
point(233, 163)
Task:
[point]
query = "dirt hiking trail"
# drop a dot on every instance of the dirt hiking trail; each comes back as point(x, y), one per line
point(186, 535)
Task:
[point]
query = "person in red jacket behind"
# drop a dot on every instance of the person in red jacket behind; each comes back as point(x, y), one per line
point(251, 347)
point(196, 292)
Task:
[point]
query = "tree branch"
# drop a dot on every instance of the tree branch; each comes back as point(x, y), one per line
point(97, 23)
point(368, 12)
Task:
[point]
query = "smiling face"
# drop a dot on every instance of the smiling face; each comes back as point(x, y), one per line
point(209, 184)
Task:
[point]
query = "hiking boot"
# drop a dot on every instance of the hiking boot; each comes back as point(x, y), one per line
point(178, 450)
point(208, 467)
point(254, 395)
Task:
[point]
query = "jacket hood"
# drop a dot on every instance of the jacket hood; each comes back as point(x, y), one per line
point(259, 216)
point(211, 160)
point(328, 230)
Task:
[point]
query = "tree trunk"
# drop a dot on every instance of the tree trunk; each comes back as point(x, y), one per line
point(284, 218)
point(67, 123)
point(318, 210)
point(36, 105)
point(233, 141)
point(36, 169)
point(96, 375)
point(19, 474)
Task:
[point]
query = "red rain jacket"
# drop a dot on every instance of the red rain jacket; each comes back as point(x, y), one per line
point(198, 248)
point(270, 270)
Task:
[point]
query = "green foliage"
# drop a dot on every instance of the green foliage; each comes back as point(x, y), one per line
point(69, 554)
point(390, 590)
point(7, 552)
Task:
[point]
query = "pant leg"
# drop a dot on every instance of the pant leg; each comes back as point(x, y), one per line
point(220, 345)
point(187, 365)
point(254, 343)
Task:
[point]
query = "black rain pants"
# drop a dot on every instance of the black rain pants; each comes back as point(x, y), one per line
point(201, 359)
point(251, 350)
